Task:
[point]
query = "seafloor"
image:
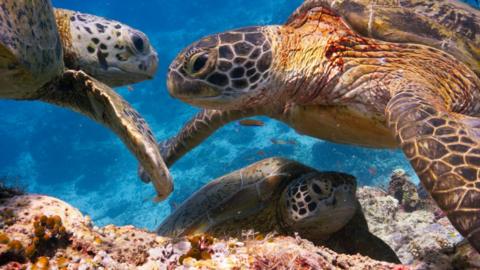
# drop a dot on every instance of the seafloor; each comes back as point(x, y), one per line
point(39, 232)
point(53, 151)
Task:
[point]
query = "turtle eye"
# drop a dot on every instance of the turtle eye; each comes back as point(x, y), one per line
point(140, 44)
point(198, 62)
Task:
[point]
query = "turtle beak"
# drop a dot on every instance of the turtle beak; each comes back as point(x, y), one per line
point(186, 90)
point(152, 65)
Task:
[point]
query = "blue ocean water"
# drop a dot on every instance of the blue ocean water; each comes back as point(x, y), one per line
point(54, 151)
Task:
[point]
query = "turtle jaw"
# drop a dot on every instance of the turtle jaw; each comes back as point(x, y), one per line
point(189, 90)
point(205, 96)
point(195, 92)
point(116, 75)
point(202, 94)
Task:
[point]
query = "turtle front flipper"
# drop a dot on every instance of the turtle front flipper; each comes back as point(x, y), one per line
point(444, 149)
point(82, 93)
point(198, 129)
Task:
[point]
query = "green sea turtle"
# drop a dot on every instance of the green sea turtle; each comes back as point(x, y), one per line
point(324, 79)
point(32, 67)
point(285, 196)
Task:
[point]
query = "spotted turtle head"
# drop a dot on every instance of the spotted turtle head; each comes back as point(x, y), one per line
point(226, 70)
point(112, 52)
point(318, 204)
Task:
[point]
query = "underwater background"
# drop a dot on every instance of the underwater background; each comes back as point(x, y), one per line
point(54, 151)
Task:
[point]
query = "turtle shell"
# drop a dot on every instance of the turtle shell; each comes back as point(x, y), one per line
point(448, 25)
point(30, 47)
point(242, 193)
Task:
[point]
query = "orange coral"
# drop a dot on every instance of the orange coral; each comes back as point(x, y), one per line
point(200, 248)
point(4, 238)
point(42, 263)
point(49, 232)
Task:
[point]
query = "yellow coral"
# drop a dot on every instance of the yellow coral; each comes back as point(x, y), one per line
point(8, 216)
point(43, 220)
point(97, 240)
point(200, 248)
point(57, 220)
point(259, 237)
point(4, 238)
point(39, 231)
point(42, 263)
point(15, 246)
point(30, 251)
point(45, 229)
point(62, 263)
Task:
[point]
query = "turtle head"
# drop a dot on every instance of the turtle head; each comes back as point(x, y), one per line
point(318, 204)
point(112, 52)
point(223, 71)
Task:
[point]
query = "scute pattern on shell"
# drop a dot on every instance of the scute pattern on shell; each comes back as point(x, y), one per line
point(257, 184)
point(457, 16)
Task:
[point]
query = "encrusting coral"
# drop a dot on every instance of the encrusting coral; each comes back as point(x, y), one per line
point(402, 189)
point(420, 238)
point(46, 233)
point(50, 234)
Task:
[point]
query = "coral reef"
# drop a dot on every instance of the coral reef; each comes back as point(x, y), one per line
point(420, 238)
point(50, 234)
point(40, 232)
point(402, 189)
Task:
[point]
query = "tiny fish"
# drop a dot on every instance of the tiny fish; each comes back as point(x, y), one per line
point(251, 123)
point(372, 171)
point(261, 153)
point(130, 88)
point(284, 142)
point(279, 142)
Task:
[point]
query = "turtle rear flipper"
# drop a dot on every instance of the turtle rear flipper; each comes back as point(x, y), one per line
point(410, 21)
point(80, 92)
point(444, 149)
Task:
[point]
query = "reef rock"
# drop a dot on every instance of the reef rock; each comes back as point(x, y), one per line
point(402, 189)
point(421, 238)
point(40, 232)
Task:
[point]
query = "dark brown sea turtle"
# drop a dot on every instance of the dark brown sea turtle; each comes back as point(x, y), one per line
point(42, 61)
point(323, 78)
point(285, 196)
